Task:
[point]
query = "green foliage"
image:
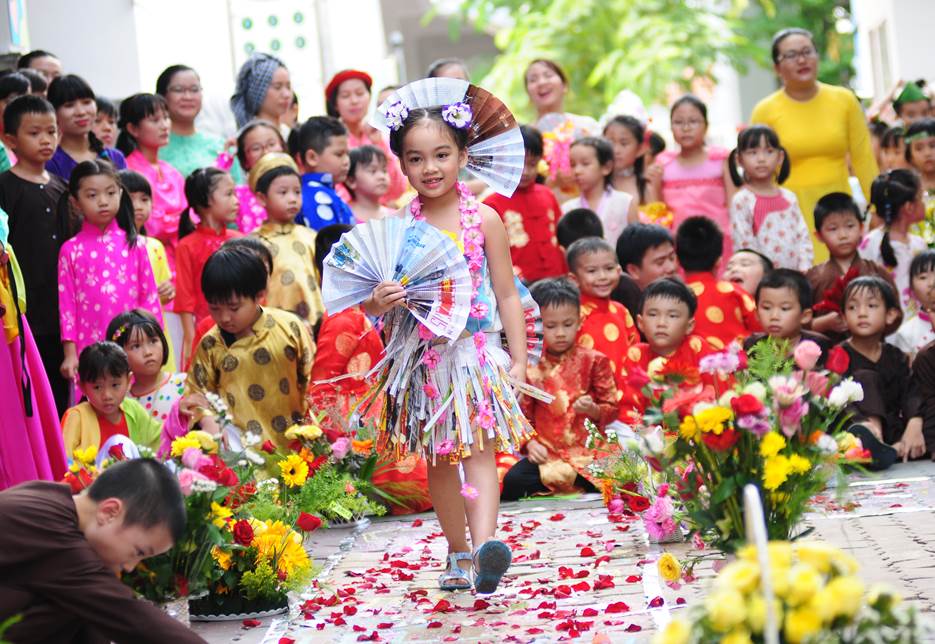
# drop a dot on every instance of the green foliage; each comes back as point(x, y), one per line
point(766, 358)
point(333, 496)
point(260, 582)
point(606, 46)
point(6, 624)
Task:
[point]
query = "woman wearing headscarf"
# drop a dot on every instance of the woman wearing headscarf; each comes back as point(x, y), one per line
point(347, 97)
point(264, 91)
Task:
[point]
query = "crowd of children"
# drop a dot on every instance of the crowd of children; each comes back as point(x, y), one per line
point(146, 286)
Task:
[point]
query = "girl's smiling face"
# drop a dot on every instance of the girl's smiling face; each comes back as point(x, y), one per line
point(183, 96)
point(545, 88)
point(431, 159)
point(866, 314)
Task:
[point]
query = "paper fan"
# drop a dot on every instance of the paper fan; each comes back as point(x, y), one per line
point(533, 320)
point(495, 146)
point(417, 255)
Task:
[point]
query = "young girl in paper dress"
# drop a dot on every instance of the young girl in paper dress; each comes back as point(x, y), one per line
point(454, 400)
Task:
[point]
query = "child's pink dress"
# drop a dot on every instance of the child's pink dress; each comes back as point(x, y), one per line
point(698, 190)
point(250, 213)
point(168, 186)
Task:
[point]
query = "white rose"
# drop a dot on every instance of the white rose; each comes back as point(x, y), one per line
point(845, 392)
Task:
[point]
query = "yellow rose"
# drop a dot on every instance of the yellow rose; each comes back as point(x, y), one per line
point(736, 637)
point(712, 419)
point(780, 554)
point(776, 471)
point(675, 632)
point(669, 567)
point(804, 582)
point(846, 594)
point(205, 440)
point(726, 609)
point(740, 575)
point(771, 443)
point(307, 432)
point(182, 443)
point(800, 623)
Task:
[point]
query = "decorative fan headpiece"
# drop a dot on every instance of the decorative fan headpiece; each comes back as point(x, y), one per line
point(495, 149)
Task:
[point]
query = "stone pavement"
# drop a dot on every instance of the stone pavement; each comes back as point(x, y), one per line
point(574, 573)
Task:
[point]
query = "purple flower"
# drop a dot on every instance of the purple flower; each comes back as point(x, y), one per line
point(754, 423)
point(341, 447)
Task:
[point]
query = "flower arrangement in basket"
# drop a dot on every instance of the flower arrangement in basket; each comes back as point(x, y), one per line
point(818, 597)
point(259, 566)
point(207, 483)
point(779, 426)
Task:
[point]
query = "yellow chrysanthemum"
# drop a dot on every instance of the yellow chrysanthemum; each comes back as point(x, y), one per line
point(771, 444)
point(740, 575)
point(294, 470)
point(676, 632)
point(306, 432)
point(713, 419)
point(800, 624)
point(726, 609)
point(669, 567)
point(206, 441)
point(737, 637)
point(804, 582)
point(220, 514)
point(688, 429)
point(280, 544)
point(799, 464)
point(182, 443)
point(222, 557)
point(86, 456)
point(775, 472)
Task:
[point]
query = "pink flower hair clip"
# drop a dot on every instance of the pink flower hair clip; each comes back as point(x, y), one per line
point(457, 115)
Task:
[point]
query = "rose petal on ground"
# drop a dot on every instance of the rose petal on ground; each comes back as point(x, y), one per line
point(251, 623)
point(634, 628)
point(417, 523)
point(557, 517)
point(656, 602)
point(587, 551)
point(480, 604)
point(589, 612)
point(617, 607)
point(434, 625)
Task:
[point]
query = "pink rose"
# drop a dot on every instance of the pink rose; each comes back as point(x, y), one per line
point(186, 478)
point(193, 458)
point(806, 355)
point(616, 506)
point(341, 447)
point(817, 383)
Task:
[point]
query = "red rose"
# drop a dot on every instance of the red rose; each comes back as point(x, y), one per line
point(838, 360)
point(243, 532)
point(332, 434)
point(746, 404)
point(218, 472)
point(268, 447)
point(116, 452)
point(637, 503)
point(181, 584)
point(637, 378)
point(308, 522)
point(721, 442)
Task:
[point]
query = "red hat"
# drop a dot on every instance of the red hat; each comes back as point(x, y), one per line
point(332, 87)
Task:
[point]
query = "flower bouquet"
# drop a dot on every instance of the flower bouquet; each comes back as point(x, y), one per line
point(818, 597)
point(778, 426)
point(207, 482)
point(258, 567)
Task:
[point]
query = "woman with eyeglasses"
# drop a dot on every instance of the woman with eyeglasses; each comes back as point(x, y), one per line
point(821, 126)
point(188, 149)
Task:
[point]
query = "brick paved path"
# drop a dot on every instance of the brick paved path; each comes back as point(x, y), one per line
point(574, 572)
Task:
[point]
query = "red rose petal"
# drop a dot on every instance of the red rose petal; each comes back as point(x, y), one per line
point(417, 523)
point(589, 612)
point(557, 517)
point(680, 601)
point(339, 621)
point(601, 559)
point(632, 579)
point(359, 629)
point(604, 582)
point(581, 586)
point(617, 607)
point(434, 625)
point(634, 628)
point(385, 625)
point(286, 640)
point(480, 604)
point(656, 602)
point(350, 610)
point(443, 606)
point(587, 551)
point(251, 623)
point(373, 637)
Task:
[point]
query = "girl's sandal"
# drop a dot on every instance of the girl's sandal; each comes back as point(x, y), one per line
point(491, 560)
point(455, 577)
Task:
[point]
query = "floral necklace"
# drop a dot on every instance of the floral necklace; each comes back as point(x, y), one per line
point(473, 237)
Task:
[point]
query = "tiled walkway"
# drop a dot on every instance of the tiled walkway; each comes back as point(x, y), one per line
point(574, 572)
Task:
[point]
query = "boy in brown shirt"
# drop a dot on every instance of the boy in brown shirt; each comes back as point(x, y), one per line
point(60, 556)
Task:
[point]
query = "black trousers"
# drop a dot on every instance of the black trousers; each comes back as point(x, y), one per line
point(523, 480)
point(52, 354)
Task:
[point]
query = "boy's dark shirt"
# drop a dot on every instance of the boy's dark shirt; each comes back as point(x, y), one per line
point(823, 276)
point(51, 576)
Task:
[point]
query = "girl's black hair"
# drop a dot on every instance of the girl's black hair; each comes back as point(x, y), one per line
point(233, 272)
point(657, 144)
point(362, 156)
point(922, 126)
point(694, 101)
point(249, 127)
point(892, 137)
point(107, 107)
point(133, 110)
point(14, 83)
point(604, 151)
point(162, 83)
point(97, 167)
point(37, 82)
point(876, 285)
point(254, 245)
point(69, 88)
point(532, 140)
point(133, 181)
point(102, 359)
point(639, 133)
point(324, 240)
point(121, 328)
point(26, 59)
point(888, 194)
point(397, 136)
point(753, 137)
point(924, 262)
point(268, 177)
point(785, 33)
point(199, 186)
point(555, 292)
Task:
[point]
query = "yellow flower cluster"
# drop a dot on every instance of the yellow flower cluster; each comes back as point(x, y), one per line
point(294, 470)
point(711, 420)
point(86, 456)
point(280, 545)
point(303, 432)
point(220, 514)
point(197, 439)
point(777, 469)
point(814, 586)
